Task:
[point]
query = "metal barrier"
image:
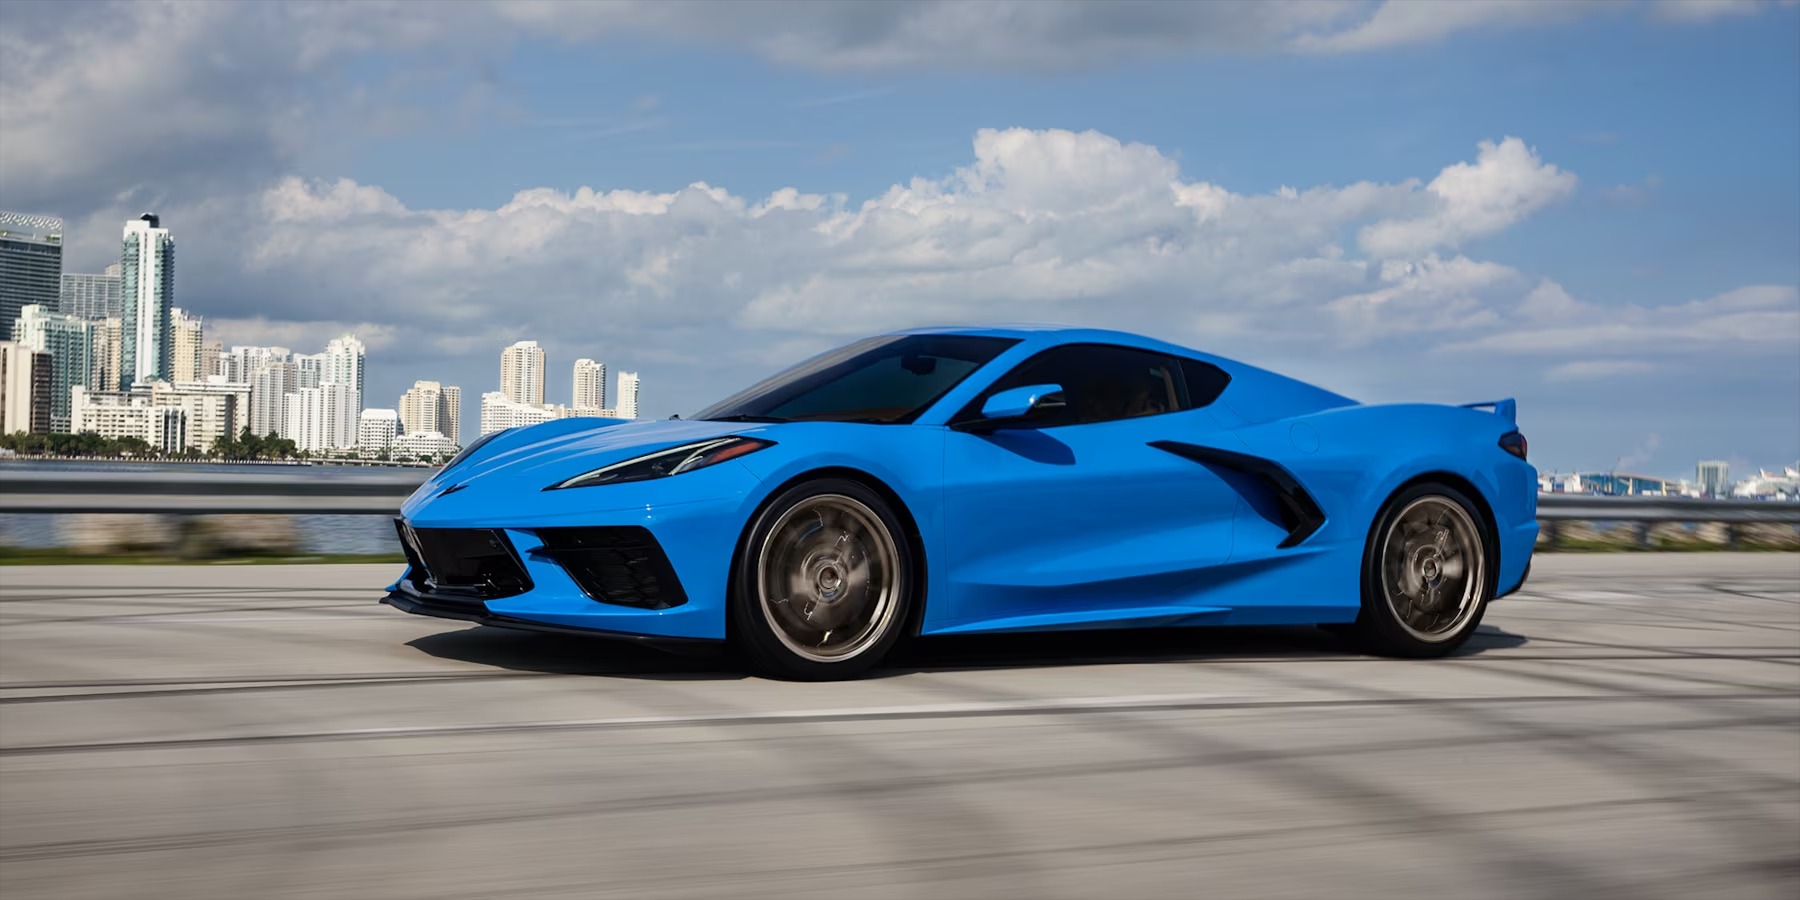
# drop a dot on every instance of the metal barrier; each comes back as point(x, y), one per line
point(1595, 508)
point(308, 491)
point(300, 491)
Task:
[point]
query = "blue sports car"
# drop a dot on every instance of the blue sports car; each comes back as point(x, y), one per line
point(975, 480)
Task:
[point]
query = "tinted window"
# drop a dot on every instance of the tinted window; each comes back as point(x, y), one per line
point(885, 380)
point(1102, 382)
point(1205, 382)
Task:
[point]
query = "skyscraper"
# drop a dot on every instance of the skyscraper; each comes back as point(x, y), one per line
point(590, 385)
point(24, 390)
point(420, 407)
point(93, 296)
point(450, 413)
point(30, 265)
point(69, 341)
point(344, 358)
point(187, 338)
point(428, 406)
point(147, 280)
point(318, 419)
point(1714, 476)
point(212, 359)
point(309, 369)
point(270, 383)
point(522, 373)
point(103, 360)
point(628, 395)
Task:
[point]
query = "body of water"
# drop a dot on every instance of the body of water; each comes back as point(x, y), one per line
point(318, 534)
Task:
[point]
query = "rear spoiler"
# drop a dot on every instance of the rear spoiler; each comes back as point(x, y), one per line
point(1507, 409)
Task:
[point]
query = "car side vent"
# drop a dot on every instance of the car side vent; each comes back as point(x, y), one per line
point(1300, 513)
point(616, 564)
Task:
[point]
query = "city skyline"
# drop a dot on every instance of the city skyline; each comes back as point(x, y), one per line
point(145, 367)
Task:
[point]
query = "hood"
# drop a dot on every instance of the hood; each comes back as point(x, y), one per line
point(544, 454)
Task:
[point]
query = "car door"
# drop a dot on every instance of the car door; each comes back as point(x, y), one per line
point(1078, 520)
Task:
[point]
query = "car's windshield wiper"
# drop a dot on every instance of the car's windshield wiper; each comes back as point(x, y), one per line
point(746, 417)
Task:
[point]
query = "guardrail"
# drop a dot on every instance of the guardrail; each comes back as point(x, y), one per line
point(287, 492)
point(380, 492)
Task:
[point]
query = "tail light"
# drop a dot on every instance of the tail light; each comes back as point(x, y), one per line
point(1514, 443)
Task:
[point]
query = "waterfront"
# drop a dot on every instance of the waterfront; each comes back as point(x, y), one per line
point(317, 534)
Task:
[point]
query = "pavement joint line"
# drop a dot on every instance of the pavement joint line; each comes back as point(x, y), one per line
point(1060, 706)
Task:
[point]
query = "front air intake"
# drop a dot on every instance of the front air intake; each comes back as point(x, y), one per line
point(473, 562)
point(620, 564)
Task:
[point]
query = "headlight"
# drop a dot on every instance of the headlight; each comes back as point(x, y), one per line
point(673, 461)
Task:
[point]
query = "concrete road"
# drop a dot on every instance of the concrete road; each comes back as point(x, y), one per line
point(1627, 727)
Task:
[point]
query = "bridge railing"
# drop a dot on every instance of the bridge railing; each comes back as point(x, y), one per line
point(306, 491)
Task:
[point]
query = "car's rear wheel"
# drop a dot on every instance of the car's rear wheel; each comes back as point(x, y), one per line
point(824, 582)
point(1427, 574)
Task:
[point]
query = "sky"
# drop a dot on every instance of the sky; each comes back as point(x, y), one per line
point(1592, 207)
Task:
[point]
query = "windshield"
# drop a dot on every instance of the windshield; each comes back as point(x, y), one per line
point(885, 380)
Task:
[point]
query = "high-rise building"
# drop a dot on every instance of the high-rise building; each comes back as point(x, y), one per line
point(421, 408)
point(30, 265)
point(24, 389)
point(212, 360)
point(590, 385)
point(320, 419)
point(627, 407)
point(242, 362)
point(133, 414)
point(212, 420)
point(210, 411)
point(187, 338)
point(270, 384)
point(431, 406)
point(499, 412)
point(147, 278)
point(309, 369)
point(376, 430)
point(93, 296)
point(450, 413)
point(1714, 476)
point(69, 341)
point(522, 373)
point(103, 356)
point(343, 362)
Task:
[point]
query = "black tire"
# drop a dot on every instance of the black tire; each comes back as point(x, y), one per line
point(1406, 611)
point(828, 528)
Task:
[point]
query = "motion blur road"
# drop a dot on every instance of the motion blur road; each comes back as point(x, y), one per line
point(1629, 726)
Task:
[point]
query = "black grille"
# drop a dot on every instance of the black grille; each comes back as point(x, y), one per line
point(475, 562)
point(620, 564)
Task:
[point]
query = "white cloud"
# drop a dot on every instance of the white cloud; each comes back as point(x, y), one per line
point(1708, 10)
point(1756, 319)
point(1506, 183)
point(1592, 369)
point(1398, 23)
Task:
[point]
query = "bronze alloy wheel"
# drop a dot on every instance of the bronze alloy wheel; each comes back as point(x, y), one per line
point(829, 578)
point(1433, 568)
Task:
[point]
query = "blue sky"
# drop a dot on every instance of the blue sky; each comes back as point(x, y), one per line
point(1628, 265)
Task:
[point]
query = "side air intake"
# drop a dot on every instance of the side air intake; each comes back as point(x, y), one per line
point(1298, 511)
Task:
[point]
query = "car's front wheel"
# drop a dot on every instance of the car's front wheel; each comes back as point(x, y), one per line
point(1427, 575)
point(823, 585)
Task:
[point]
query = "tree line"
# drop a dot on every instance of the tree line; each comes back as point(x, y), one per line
point(245, 447)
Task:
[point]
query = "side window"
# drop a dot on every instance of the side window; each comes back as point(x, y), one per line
point(1205, 382)
point(1103, 382)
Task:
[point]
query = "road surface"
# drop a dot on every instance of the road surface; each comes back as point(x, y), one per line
point(1629, 726)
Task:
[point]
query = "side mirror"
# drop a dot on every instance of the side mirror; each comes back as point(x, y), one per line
point(1021, 404)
